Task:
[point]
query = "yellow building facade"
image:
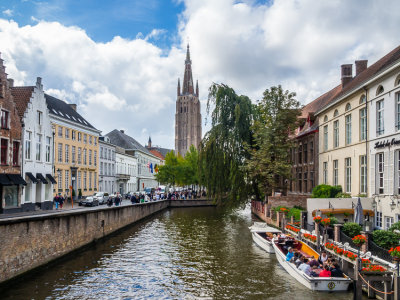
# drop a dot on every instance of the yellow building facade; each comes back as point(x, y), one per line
point(76, 150)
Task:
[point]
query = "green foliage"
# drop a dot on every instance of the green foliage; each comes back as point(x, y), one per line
point(395, 226)
point(278, 208)
point(276, 116)
point(342, 195)
point(222, 150)
point(351, 229)
point(299, 207)
point(326, 191)
point(385, 238)
point(295, 212)
point(334, 220)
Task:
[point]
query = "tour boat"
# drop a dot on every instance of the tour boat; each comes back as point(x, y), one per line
point(262, 235)
point(324, 284)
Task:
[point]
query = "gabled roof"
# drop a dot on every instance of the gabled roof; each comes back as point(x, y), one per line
point(162, 151)
point(320, 102)
point(119, 138)
point(22, 96)
point(373, 70)
point(157, 153)
point(63, 110)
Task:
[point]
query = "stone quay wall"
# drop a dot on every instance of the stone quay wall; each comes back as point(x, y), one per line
point(31, 241)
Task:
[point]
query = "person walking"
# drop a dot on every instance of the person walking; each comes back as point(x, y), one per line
point(56, 201)
point(61, 200)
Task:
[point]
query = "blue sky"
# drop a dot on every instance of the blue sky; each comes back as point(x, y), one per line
point(102, 19)
point(120, 61)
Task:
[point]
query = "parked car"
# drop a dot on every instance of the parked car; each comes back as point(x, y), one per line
point(89, 201)
point(102, 197)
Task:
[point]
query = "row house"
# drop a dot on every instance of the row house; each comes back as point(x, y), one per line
point(107, 181)
point(11, 182)
point(158, 151)
point(76, 155)
point(126, 171)
point(37, 141)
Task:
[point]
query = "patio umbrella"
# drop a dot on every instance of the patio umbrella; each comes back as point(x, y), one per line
point(358, 213)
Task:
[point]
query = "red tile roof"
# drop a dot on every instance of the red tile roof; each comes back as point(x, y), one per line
point(156, 153)
point(22, 96)
point(320, 102)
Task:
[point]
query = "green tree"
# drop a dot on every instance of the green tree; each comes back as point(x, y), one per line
point(276, 117)
point(167, 174)
point(222, 150)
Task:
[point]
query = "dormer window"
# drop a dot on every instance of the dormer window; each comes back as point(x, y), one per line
point(4, 119)
point(379, 90)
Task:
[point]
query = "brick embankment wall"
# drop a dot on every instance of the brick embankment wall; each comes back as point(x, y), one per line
point(31, 241)
point(289, 201)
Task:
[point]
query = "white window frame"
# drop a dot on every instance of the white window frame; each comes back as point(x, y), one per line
point(388, 222)
point(325, 172)
point(348, 129)
point(325, 133)
point(38, 147)
point(378, 219)
point(347, 181)
point(48, 149)
point(363, 174)
point(336, 134)
point(363, 124)
point(28, 145)
point(380, 173)
point(380, 125)
point(335, 172)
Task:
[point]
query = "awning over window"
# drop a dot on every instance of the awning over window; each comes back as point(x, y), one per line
point(16, 179)
point(31, 177)
point(51, 178)
point(4, 180)
point(41, 178)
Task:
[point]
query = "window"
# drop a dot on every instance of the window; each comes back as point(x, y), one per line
point(348, 129)
point(95, 141)
point(90, 139)
point(79, 155)
point(348, 107)
point(66, 179)
point(67, 153)
point(299, 180)
point(101, 152)
point(348, 175)
point(90, 180)
point(305, 181)
point(379, 90)
point(379, 118)
point(39, 117)
point(325, 172)
point(4, 119)
point(388, 222)
point(363, 124)
point(73, 150)
point(336, 134)
point(363, 99)
point(85, 138)
point(79, 136)
point(79, 179)
point(101, 168)
point(398, 111)
point(379, 219)
point(48, 148)
point(312, 179)
point(59, 152)
point(305, 153)
point(397, 167)
point(66, 133)
point(15, 153)
point(84, 156)
point(300, 154)
point(311, 151)
point(28, 145)
point(90, 157)
point(95, 157)
point(94, 180)
point(84, 180)
point(380, 169)
point(59, 181)
point(335, 172)
point(73, 135)
point(60, 131)
point(336, 113)
point(363, 174)
point(38, 147)
point(109, 154)
point(11, 196)
point(325, 137)
point(326, 119)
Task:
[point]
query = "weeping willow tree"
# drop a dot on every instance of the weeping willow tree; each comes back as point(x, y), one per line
point(222, 150)
point(269, 164)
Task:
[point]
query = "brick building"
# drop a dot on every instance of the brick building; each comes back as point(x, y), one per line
point(11, 182)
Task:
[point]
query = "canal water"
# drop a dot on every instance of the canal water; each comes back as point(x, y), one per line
point(188, 253)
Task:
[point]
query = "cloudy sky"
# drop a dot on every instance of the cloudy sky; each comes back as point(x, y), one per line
point(120, 60)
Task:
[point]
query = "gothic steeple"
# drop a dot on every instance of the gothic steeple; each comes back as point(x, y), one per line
point(197, 88)
point(179, 88)
point(187, 78)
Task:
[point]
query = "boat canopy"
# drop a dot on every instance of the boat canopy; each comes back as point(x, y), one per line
point(263, 227)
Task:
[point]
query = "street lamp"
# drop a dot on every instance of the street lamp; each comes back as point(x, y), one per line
point(392, 203)
point(374, 203)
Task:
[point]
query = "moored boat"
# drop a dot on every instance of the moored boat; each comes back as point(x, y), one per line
point(324, 284)
point(262, 235)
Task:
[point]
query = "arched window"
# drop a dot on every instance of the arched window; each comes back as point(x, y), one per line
point(348, 106)
point(363, 99)
point(379, 90)
point(336, 113)
point(397, 81)
point(326, 118)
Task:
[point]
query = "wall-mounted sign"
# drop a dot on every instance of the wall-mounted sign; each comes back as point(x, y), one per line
point(387, 143)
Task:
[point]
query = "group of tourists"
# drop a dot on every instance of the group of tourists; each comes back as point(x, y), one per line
point(324, 266)
point(59, 201)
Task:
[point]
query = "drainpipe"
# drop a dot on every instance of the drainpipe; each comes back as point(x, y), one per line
point(366, 138)
point(22, 158)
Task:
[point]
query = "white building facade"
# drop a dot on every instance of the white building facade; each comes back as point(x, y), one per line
point(126, 171)
point(37, 139)
point(107, 180)
point(384, 144)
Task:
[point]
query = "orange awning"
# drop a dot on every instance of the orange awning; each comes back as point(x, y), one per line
point(338, 211)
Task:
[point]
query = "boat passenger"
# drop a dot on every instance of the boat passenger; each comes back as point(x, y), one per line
point(325, 272)
point(299, 261)
point(336, 271)
point(313, 262)
point(305, 267)
point(322, 258)
point(290, 254)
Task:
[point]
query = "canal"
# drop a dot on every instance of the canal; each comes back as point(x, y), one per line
point(183, 253)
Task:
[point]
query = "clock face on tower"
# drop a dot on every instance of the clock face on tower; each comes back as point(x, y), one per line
point(188, 115)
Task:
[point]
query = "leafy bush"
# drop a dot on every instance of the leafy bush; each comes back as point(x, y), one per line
point(395, 226)
point(385, 238)
point(278, 208)
point(326, 191)
point(295, 212)
point(334, 220)
point(299, 207)
point(351, 229)
point(342, 195)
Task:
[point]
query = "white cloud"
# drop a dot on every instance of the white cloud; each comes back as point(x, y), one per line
point(8, 12)
point(131, 84)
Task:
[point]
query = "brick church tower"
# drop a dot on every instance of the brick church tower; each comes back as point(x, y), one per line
point(187, 116)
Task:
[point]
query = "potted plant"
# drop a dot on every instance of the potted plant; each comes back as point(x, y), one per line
point(326, 222)
point(359, 240)
point(317, 219)
point(346, 216)
point(395, 253)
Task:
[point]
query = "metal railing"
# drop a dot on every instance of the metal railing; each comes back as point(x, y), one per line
point(379, 251)
point(310, 227)
point(346, 239)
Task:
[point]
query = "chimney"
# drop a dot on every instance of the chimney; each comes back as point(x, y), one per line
point(39, 80)
point(122, 131)
point(347, 74)
point(10, 82)
point(73, 106)
point(361, 65)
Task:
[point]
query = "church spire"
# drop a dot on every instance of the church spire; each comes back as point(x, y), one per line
point(187, 78)
point(179, 87)
point(197, 88)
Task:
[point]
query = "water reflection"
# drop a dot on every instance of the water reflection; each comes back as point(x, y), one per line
point(187, 253)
